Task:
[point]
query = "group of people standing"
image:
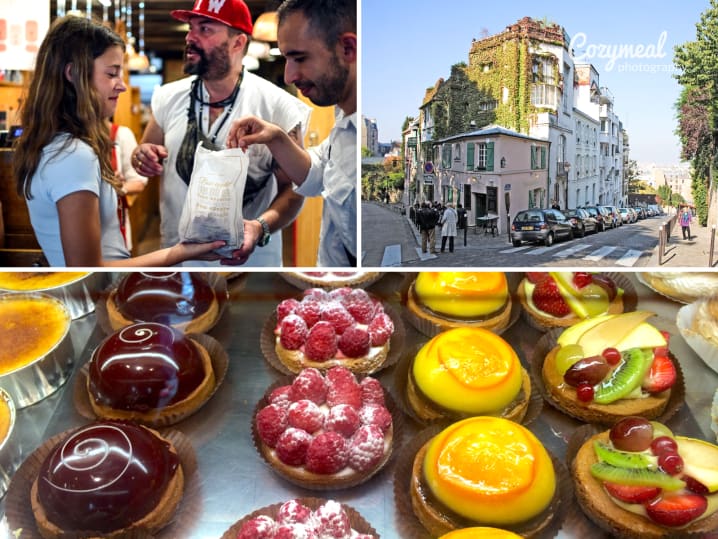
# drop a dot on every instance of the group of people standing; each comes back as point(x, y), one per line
point(62, 163)
point(430, 215)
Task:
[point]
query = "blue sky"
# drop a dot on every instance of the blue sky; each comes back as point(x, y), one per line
point(407, 46)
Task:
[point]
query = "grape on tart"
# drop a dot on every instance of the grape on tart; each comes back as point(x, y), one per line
point(442, 300)
point(303, 519)
point(639, 480)
point(483, 471)
point(184, 300)
point(107, 478)
point(343, 327)
point(562, 298)
point(611, 366)
point(150, 373)
point(325, 430)
point(465, 372)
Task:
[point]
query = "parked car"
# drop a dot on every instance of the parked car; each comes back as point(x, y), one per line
point(600, 214)
point(546, 225)
point(626, 217)
point(581, 221)
point(640, 212)
point(615, 216)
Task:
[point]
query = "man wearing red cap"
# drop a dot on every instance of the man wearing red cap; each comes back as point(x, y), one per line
point(200, 109)
point(318, 39)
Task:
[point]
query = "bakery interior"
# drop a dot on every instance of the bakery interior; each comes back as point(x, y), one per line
point(155, 58)
point(232, 479)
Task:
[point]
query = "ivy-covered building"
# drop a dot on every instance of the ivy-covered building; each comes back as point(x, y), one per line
point(524, 80)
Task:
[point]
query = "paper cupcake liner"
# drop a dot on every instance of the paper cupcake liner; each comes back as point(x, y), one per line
point(548, 341)
point(267, 344)
point(215, 280)
point(704, 349)
point(630, 300)
point(18, 508)
point(410, 526)
point(357, 521)
point(361, 477)
point(430, 328)
point(220, 363)
point(401, 378)
point(361, 279)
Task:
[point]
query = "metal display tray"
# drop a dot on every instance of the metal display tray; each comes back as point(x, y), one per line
point(234, 480)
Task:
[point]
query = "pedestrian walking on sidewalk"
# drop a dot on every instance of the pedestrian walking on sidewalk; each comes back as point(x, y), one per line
point(427, 219)
point(685, 221)
point(448, 227)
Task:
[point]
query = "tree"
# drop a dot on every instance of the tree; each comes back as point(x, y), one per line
point(664, 191)
point(631, 176)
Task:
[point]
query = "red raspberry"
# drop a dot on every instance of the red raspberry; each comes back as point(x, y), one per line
point(536, 276)
point(371, 414)
point(310, 310)
point(293, 332)
point(318, 294)
point(309, 384)
point(321, 342)
point(271, 422)
point(366, 448)
point(371, 391)
point(293, 512)
point(294, 531)
point(381, 329)
point(343, 419)
point(261, 527)
point(327, 454)
point(288, 306)
point(344, 393)
point(292, 446)
point(354, 342)
point(335, 313)
point(280, 396)
point(360, 306)
point(339, 294)
point(305, 415)
point(340, 375)
point(582, 278)
point(548, 299)
point(332, 521)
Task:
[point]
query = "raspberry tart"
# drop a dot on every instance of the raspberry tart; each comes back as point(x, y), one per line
point(609, 367)
point(323, 329)
point(560, 298)
point(437, 301)
point(325, 431)
point(330, 279)
point(467, 372)
point(639, 480)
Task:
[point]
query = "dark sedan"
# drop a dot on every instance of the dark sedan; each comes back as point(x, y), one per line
point(544, 225)
point(581, 221)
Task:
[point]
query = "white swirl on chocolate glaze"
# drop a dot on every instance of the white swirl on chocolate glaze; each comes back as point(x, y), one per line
point(139, 334)
point(91, 453)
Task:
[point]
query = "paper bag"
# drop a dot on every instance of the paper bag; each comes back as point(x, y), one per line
point(213, 206)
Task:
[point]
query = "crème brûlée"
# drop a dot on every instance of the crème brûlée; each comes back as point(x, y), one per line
point(467, 372)
point(24, 281)
point(30, 327)
point(459, 299)
point(484, 471)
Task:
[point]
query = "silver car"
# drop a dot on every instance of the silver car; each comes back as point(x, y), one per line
point(545, 225)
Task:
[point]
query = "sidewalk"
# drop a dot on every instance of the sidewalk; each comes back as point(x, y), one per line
point(693, 253)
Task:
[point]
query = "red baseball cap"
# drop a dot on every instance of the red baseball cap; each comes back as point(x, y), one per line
point(234, 13)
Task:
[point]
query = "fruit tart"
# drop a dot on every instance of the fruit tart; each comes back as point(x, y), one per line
point(440, 300)
point(683, 286)
point(467, 372)
point(562, 298)
point(330, 279)
point(484, 471)
point(639, 480)
point(343, 327)
point(325, 431)
point(480, 532)
point(609, 367)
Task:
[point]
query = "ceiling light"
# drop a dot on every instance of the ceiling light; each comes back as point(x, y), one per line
point(265, 27)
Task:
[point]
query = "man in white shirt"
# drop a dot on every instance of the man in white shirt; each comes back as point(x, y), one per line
point(318, 39)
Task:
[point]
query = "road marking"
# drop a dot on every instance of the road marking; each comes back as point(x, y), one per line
point(392, 255)
point(572, 250)
point(598, 254)
point(630, 258)
point(424, 256)
point(515, 249)
point(542, 250)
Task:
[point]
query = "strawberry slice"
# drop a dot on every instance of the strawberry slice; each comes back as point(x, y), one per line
point(676, 509)
point(547, 298)
point(631, 493)
point(582, 278)
point(661, 376)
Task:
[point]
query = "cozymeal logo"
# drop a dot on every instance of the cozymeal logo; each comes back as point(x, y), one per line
point(623, 56)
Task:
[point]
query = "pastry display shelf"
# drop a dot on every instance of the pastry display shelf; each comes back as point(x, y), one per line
point(233, 478)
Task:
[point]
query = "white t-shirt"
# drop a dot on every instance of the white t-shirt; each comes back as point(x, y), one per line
point(59, 174)
point(257, 97)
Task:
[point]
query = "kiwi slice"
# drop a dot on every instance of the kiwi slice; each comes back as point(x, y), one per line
point(625, 377)
point(623, 459)
point(642, 477)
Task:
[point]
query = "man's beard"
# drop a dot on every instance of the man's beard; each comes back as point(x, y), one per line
point(215, 66)
point(329, 87)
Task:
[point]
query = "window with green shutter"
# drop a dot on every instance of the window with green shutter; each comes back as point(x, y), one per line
point(446, 156)
point(533, 157)
point(543, 157)
point(489, 156)
point(470, 156)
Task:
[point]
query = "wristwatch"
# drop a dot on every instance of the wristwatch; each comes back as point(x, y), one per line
point(264, 239)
